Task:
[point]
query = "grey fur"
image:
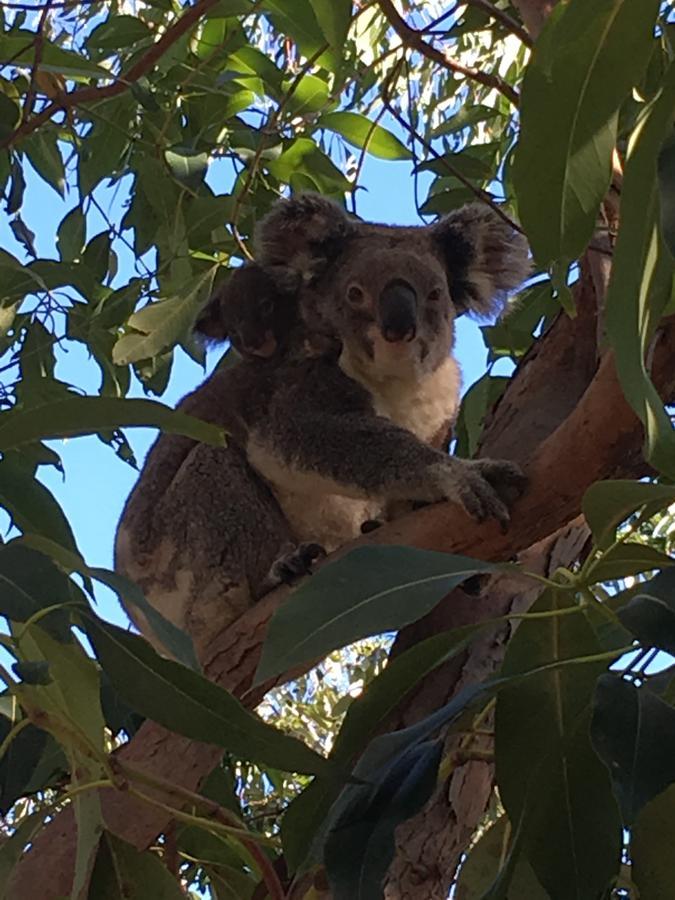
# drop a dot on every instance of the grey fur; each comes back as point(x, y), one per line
point(320, 444)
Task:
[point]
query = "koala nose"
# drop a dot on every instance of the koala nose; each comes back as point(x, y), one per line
point(397, 311)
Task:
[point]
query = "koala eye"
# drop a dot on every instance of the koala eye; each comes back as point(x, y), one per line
point(435, 295)
point(355, 295)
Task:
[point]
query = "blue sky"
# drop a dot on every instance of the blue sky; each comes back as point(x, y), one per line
point(96, 482)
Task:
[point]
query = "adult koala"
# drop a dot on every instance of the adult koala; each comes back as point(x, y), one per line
point(319, 444)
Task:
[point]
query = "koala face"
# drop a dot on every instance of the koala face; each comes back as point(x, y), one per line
point(390, 304)
point(391, 294)
point(257, 309)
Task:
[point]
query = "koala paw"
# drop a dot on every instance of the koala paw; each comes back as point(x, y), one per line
point(486, 488)
point(295, 563)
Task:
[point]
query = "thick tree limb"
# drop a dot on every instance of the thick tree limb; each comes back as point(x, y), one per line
point(414, 39)
point(599, 438)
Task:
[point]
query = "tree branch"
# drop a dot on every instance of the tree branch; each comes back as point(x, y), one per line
point(600, 438)
point(413, 39)
point(92, 94)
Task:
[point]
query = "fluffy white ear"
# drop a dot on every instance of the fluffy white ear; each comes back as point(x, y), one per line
point(303, 233)
point(486, 258)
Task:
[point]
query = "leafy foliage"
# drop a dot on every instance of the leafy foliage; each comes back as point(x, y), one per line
point(162, 136)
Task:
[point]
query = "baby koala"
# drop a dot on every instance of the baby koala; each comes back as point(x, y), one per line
point(256, 309)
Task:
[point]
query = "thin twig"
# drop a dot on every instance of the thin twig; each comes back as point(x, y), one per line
point(500, 16)
point(413, 39)
point(481, 195)
point(265, 131)
point(91, 94)
point(38, 44)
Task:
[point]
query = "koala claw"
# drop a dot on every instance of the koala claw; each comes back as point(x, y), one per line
point(295, 563)
point(489, 487)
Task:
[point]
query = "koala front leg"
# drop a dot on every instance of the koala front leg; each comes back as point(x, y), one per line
point(364, 455)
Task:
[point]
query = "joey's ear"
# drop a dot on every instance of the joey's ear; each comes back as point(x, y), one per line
point(210, 322)
point(302, 233)
point(485, 257)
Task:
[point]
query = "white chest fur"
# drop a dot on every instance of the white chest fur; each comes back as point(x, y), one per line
point(421, 404)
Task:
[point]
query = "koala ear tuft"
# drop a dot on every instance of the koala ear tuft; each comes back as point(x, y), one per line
point(303, 233)
point(485, 257)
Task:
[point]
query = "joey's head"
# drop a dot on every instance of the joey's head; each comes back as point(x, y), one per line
point(391, 294)
point(256, 308)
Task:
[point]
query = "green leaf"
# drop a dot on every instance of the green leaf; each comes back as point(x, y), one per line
point(162, 324)
point(96, 256)
point(365, 716)
point(607, 504)
point(642, 275)
point(310, 95)
point(584, 65)
point(482, 866)
point(360, 131)
point(666, 177)
point(9, 115)
point(177, 642)
point(629, 558)
point(43, 152)
point(187, 703)
point(547, 772)
point(103, 152)
point(334, 18)
point(118, 33)
point(650, 613)
point(187, 166)
point(369, 591)
point(31, 582)
point(360, 844)
point(71, 234)
point(18, 761)
point(651, 848)
point(19, 46)
point(31, 505)
point(477, 402)
point(633, 733)
point(122, 871)
point(87, 415)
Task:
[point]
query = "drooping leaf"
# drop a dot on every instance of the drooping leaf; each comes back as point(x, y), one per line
point(369, 591)
point(122, 871)
point(118, 32)
point(629, 558)
point(31, 505)
point(360, 131)
point(360, 844)
point(641, 279)
point(43, 152)
point(176, 641)
point(18, 761)
point(607, 504)
point(187, 703)
point(547, 773)
point(86, 415)
point(633, 732)
point(30, 582)
point(650, 613)
point(651, 845)
point(187, 166)
point(71, 234)
point(666, 177)
point(585, 63)
point(481, 868)
point(334, 17)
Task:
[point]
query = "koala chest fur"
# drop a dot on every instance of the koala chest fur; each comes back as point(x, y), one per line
point(319, 510)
